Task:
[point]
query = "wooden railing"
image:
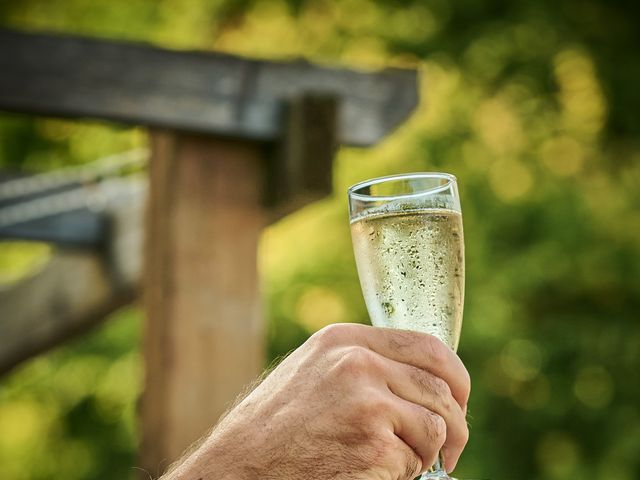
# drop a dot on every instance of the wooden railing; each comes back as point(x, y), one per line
point(234, 143)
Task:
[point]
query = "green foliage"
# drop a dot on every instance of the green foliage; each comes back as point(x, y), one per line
point(533, 105)
point(71, 413)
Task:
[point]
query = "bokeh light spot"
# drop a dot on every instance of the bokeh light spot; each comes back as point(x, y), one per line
point(498, 126)
point(583, 104)
point(318, 307)
point(510, 180)
point(23, 423)
point(521, 360)
point(494, 377)
point(558, 455)
point(531, 395)
point(564, 156)
point(594, 386)
point(414, 24)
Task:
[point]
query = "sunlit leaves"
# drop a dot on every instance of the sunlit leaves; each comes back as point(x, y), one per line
point(533, 105)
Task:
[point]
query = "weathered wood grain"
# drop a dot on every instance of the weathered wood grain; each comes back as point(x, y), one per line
point(193, 91)
point(72, 292)
point(204, 332)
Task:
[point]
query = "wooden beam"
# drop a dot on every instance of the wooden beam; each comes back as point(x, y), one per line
point(193, 91)
point(71, 293)
point(81, 228)
point(204, 335)
point(303, 165)
point(73, 215)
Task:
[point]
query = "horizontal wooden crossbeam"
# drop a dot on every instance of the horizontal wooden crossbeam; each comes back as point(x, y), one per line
point(75, 290)
point(79, 228)
point(67, 215)
point(193, 91)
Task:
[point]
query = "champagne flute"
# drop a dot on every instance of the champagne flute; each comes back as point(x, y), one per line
point(409, 250)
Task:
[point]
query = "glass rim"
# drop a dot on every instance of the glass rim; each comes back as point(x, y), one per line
point(351, 191)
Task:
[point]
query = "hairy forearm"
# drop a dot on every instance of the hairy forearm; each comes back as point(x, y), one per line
point(353, 403)
point(204, 463)
point(226, 459)
point(205, 459)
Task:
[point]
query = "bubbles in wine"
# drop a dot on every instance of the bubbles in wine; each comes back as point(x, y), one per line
point(411, 267)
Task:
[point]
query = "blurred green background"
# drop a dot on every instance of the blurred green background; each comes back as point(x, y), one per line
point(532, 104)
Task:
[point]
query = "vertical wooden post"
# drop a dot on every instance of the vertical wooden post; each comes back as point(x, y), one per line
point(204, 336)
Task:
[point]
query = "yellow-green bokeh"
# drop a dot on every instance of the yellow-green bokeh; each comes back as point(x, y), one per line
point(530, 104)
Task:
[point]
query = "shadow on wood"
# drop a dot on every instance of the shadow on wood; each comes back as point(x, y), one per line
point(75, 290)
point(204, 334)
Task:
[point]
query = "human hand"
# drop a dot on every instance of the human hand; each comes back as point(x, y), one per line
point(353, 402)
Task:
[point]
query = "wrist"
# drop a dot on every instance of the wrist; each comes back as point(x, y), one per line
point(207, 462)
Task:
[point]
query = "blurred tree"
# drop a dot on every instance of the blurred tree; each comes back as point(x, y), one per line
point(532, 104)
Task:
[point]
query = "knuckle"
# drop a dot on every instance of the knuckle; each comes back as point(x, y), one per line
point(412, 465)
point(326, 336)
point(429, 384)
point(331, 335)
point(440, 429)
point(436, 429)
point(355, 361)
point(380, 449)
point(382, 444)
point(401, 463)
point(438, 351)
point(375, 406)
point(370, 409)
point(441, 389)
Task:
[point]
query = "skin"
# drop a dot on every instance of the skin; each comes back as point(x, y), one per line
point(354, 402)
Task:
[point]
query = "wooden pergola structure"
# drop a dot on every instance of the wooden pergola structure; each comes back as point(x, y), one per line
point(234, 143)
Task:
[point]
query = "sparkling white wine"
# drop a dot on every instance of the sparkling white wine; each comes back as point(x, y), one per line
point(411, 267)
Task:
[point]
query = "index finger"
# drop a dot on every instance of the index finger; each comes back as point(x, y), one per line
point(413, 348)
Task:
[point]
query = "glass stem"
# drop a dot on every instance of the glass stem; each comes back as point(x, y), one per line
point(437, 470)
